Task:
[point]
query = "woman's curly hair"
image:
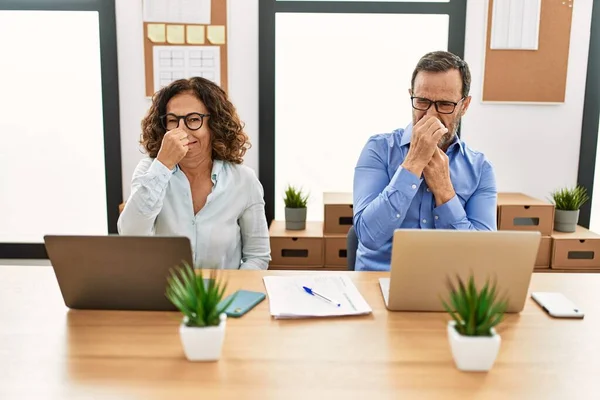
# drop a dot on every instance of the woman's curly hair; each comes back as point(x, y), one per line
point(229, 141)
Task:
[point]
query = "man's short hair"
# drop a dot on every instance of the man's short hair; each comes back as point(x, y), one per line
point(442, 61)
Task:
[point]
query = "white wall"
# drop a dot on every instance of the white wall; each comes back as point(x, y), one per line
point(534, 148)
point(243, 77)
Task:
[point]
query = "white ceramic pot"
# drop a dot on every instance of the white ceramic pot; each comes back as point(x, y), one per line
point(203, 344)
point(473, 353)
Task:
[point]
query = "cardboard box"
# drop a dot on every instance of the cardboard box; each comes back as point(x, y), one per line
point(544, 253)
point(519, 212)
point(577, 250)
point(338, 213)
point(336, 253)
point(296, 248)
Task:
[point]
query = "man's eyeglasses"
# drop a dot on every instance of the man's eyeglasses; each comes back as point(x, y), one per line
point(193, 121)
point(442, 106)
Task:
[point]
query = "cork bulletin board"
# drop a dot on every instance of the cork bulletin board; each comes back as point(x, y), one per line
point(538, 76)
point(182, 39)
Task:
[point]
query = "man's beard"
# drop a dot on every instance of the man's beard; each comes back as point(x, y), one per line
point(449, 136)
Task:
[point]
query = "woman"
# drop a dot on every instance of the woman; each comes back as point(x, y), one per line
point(193, 183)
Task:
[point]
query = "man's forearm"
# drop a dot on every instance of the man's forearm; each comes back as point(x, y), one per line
point(375, 224)
point(444, 195)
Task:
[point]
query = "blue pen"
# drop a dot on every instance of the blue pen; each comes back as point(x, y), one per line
point(313, 293)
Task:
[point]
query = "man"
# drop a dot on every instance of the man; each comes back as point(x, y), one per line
point(423, 176)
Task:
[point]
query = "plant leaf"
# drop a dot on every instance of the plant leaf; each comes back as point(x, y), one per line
point(474, 311)
point(197, 301)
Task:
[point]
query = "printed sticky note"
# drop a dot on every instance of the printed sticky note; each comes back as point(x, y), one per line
point(195, 34)
point(175, 34)
point(216, 34)
point(156, 33)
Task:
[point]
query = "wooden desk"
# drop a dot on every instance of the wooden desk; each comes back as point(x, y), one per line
point(49, 352)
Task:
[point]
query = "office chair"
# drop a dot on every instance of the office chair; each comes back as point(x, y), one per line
point(351, 246)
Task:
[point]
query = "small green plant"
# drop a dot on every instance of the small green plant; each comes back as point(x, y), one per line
point(294, 198)
point(198, 301)
point(475, 313)
point(570, 198)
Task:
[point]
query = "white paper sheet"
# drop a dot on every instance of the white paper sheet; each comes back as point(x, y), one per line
point(182, 62)
point(177, 11)
point(287, 298)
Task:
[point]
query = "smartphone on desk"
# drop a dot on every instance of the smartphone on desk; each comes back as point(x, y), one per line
point(557, 305)
point(244, 301)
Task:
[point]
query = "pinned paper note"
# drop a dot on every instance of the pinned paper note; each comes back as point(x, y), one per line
point(216, 34)
point(195, 34)
point(156, 33)
point(175, 34)
point(177, 11)
point(178, 62)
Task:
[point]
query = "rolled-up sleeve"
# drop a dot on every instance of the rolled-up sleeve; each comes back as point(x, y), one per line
point(380, 204)
point(148, 190)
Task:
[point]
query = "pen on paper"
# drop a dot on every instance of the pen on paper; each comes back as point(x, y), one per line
point(313, 293)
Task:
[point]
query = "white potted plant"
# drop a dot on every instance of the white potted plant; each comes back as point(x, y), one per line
point(473, 339)
point(567, 203)
point(202, 330)
point(295, 209)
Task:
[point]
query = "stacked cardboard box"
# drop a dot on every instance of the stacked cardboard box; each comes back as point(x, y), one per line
point(560, 251)
point(338, 214)
point(322, 245)
point(301, 249)
point(579, 250)
point(519, 212)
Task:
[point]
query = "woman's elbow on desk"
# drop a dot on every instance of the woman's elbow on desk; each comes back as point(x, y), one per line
point(256, 263)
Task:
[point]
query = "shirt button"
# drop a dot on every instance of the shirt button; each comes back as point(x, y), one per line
point(397, 215)
point(424, 221)
point(436, 217)
point(428, 190)
point(193, 222)
point(414, 186)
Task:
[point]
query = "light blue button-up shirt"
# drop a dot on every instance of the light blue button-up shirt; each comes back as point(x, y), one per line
point(229, 232)
point(388, 197)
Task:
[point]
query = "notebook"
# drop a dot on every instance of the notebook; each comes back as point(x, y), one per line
point(289, 299)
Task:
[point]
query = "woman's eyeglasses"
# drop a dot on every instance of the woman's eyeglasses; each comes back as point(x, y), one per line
point(193, 121)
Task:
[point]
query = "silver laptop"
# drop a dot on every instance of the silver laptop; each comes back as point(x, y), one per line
point(423, 260)
point(116, 272)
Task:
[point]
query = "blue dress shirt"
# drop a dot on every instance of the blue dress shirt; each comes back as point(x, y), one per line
point(388, 197)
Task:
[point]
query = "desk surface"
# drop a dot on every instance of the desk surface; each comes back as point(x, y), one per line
point(50, 352)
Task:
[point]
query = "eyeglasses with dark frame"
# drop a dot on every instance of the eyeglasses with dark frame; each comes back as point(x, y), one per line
point(441, 106)
point(193, 121)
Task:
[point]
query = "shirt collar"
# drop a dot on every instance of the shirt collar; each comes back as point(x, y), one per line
point(457, 143)
point(407, 136)
point(216, 170)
